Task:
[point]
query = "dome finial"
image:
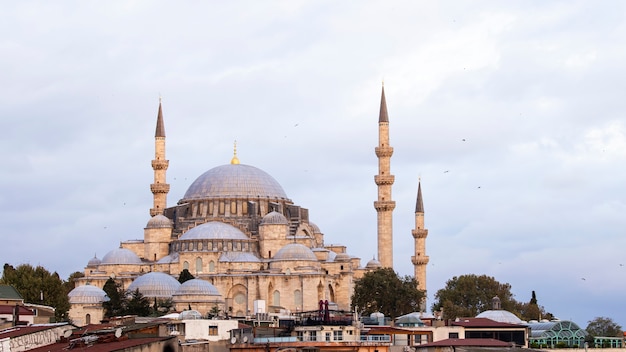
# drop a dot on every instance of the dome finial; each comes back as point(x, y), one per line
point(234, 160)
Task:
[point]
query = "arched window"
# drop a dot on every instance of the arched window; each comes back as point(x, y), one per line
point(186, 265)
point(276, 298)
point(88, 319)
point(297, 298)
point(211, 266)
point(198, 265)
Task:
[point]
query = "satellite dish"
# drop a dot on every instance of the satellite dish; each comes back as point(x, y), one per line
point(118, 332)
point(67, 333)
point(245, 339)
point(233, 339)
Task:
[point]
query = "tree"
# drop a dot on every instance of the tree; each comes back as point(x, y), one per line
point(604, 327)
point(185, 275)
point(468, 295)
point(70, 284)
point(137, 304)
point(532, 310)
point(382, 290)
point(38, 286)
point(116, 305)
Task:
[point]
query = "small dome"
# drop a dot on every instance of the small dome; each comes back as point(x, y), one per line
point(121, 256)
point(342, 257)
point(274, 218)
point(87, 294)
point(373, 264)
point(214, 230)
point(93, 262)
point(155, 284)
point(314, 228)
point(501, 316)
point(197, 287)
point(234, 181)
point(295, 251)
point(159, 221)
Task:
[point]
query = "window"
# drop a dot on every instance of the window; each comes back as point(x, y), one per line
point(300, 335)
point(276, 297)
point(88, 319)
point(453, 335)
point(313, 336)
point(198, 265)
point(212, 330)
point(338, 335)
point(186, 265)
point(211, 266)
point(327, 337)
point(297, 298)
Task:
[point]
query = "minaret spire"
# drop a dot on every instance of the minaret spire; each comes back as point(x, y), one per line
point(384, 180)
point(159, 188)
point(420, 259)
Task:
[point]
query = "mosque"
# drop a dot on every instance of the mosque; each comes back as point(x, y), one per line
point(249, 246)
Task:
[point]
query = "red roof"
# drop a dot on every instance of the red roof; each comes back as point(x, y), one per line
point(104, 347)
point(23, 330)
point(467, 343)
point(8, 309)
point(483, 323)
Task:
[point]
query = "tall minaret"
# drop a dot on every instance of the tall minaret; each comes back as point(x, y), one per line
point(420, 259)
point(159, 188)
point(384, 205)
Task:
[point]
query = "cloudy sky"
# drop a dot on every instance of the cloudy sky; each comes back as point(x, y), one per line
point(511, 113)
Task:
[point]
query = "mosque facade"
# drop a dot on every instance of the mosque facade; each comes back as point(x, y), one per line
point(254, 249)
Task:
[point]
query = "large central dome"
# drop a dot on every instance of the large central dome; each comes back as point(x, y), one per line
point(235, 181)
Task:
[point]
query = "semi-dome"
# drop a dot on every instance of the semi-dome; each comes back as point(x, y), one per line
point(295, 251)
point(342, 257)
point(121, 256)
point(155, 284)
point(274, 218)
point(197, 287)
point(314, 227)
point(94, 262)
point(234, 181)
point(87, 294)
point(214, 230)
point(159, 221)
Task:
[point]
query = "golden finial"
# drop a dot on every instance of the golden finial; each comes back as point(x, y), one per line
point(235, 160)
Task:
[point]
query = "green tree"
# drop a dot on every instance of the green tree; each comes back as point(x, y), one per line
point(38, 286)
point(532, 310)
point(138, 304)
point(604, 327)
point(382, 290)
point(468, 295)
point(70, 284)
point(185, 275)
point(116, 305)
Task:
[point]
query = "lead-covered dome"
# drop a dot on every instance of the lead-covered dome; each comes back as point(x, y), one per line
point(87, 294)
point(155, 284)
point(295, 251)
point(214, 230)
point(501, 316)
point(159, 221)
point(274, 218)
point(120, 256)
point(197, 287)
point(234, 181)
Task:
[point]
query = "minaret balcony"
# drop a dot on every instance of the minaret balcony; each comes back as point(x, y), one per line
point(384, 205)
point(384, 152)
point(420, 260)
point(384, 180)
point(419, 233)
point(160, 164)
point(159, 188)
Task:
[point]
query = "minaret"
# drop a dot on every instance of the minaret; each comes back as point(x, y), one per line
point(384, 180)
point(420, 259)
point(159, 188)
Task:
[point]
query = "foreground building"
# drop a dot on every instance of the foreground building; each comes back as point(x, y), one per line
point(237, 229)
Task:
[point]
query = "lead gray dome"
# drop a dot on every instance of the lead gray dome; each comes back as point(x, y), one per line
point(120, 256)
point(295, 251)
point(155, 284)
point(234, 181)
point(159, 221)
point(197, 287)
point(87, 294)
point(214, 230)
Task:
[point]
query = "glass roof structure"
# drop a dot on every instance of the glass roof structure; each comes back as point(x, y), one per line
point(560, 333)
